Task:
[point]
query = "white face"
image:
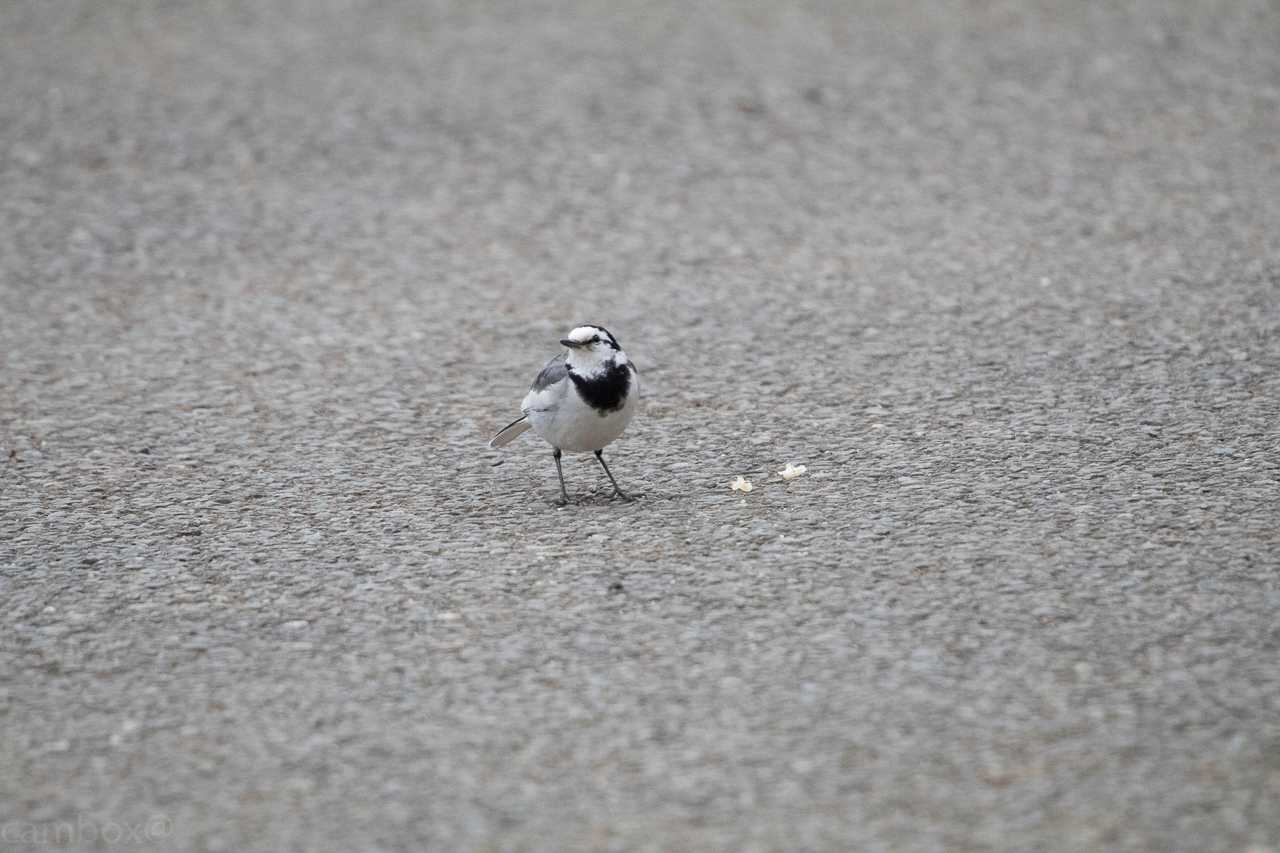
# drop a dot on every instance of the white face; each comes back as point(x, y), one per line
point(591, 346)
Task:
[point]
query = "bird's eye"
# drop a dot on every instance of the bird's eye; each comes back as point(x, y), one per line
point(596, 339)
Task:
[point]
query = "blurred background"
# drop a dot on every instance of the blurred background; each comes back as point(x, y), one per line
point(1003, 275)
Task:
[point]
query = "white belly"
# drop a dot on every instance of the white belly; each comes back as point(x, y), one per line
point(575, 426)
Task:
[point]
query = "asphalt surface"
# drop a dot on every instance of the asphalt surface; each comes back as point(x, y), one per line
point(1005, 277)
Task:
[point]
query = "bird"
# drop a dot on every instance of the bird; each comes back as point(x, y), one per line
point(580, 401)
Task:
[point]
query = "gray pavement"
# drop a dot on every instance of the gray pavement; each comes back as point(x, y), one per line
point(1004, 276)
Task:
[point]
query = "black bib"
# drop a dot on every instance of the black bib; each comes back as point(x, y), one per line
point(607, 391)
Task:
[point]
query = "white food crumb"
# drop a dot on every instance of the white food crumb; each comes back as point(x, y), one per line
point(792, 471)
point(742, 484)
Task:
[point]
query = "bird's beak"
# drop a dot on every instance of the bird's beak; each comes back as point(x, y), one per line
point(570, 344)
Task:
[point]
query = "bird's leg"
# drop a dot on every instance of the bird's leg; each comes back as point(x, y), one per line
point(564, 495)
point(617, 492)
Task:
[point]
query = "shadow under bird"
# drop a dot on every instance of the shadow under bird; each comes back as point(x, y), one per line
point(582, 400)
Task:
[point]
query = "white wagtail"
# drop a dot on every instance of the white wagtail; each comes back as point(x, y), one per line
point(581, 401)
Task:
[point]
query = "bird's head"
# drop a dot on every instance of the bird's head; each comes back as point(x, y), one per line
point(591, 348)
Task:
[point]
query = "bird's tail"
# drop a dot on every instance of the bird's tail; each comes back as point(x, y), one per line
point(510, 432)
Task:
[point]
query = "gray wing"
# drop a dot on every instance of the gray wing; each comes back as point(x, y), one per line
point(551, 374)
point(548, 387)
